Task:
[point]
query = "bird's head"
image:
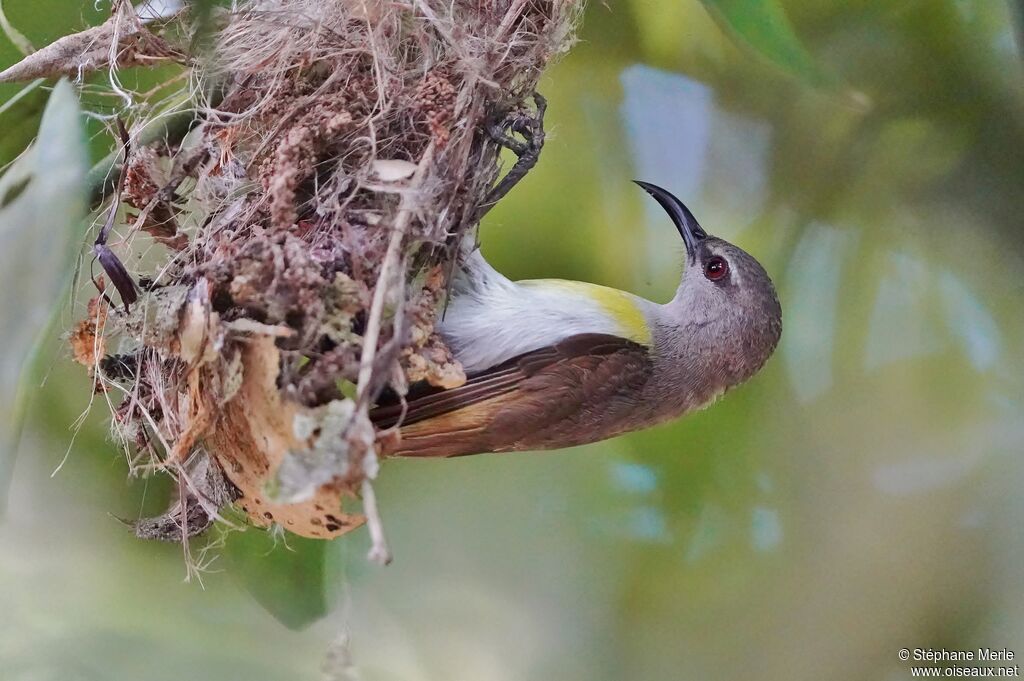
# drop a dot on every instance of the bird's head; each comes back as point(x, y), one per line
point(725, 297)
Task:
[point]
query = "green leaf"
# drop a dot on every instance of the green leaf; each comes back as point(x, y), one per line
point(762, 25)
point(19, 119)
point(294, 578)
point(42, 205)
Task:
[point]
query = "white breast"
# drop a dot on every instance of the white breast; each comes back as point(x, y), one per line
point(491, 319)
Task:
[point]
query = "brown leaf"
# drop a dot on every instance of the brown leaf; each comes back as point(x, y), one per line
point(254, 432)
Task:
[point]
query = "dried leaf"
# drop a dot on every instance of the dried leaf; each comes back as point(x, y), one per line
point(254, 433)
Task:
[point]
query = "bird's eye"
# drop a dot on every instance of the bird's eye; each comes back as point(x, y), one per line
point(716, 268)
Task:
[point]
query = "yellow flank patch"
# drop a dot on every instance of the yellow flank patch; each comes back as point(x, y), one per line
point(619, 305)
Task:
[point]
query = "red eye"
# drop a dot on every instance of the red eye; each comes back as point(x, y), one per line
point(716, 268)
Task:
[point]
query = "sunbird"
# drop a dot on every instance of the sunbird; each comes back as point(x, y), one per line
point(553, 363)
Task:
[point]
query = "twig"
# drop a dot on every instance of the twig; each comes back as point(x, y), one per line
point(391, 258)
point(514, 12)
point(379, 551)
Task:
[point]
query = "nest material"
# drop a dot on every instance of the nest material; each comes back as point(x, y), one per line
point(299, 242)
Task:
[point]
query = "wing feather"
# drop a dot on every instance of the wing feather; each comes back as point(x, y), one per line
point(554, 396)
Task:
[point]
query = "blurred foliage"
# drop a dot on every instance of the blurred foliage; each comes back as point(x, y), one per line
point(762, 25)
point(859, 496)
point(20, 114)
point(42, 204)
point(18, 40)
point(40, 23)
point(295, 578)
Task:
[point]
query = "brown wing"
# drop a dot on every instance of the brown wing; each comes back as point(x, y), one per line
point(575, 391)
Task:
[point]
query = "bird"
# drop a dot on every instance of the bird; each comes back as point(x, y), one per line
point(553, 364)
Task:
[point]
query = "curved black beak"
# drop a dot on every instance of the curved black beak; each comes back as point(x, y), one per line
point(683, 219)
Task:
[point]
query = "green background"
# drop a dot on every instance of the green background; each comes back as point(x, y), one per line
point(861, 495)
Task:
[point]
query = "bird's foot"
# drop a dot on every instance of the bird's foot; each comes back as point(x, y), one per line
point(528, 125)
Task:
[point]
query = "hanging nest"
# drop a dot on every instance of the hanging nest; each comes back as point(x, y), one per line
point(288, 248)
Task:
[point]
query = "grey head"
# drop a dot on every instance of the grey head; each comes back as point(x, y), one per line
point(725, 319)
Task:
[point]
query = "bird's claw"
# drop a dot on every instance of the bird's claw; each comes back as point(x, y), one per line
point(496, 131)
point(528, 125)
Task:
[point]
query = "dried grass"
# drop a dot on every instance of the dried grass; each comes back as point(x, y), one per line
point(292, 250)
